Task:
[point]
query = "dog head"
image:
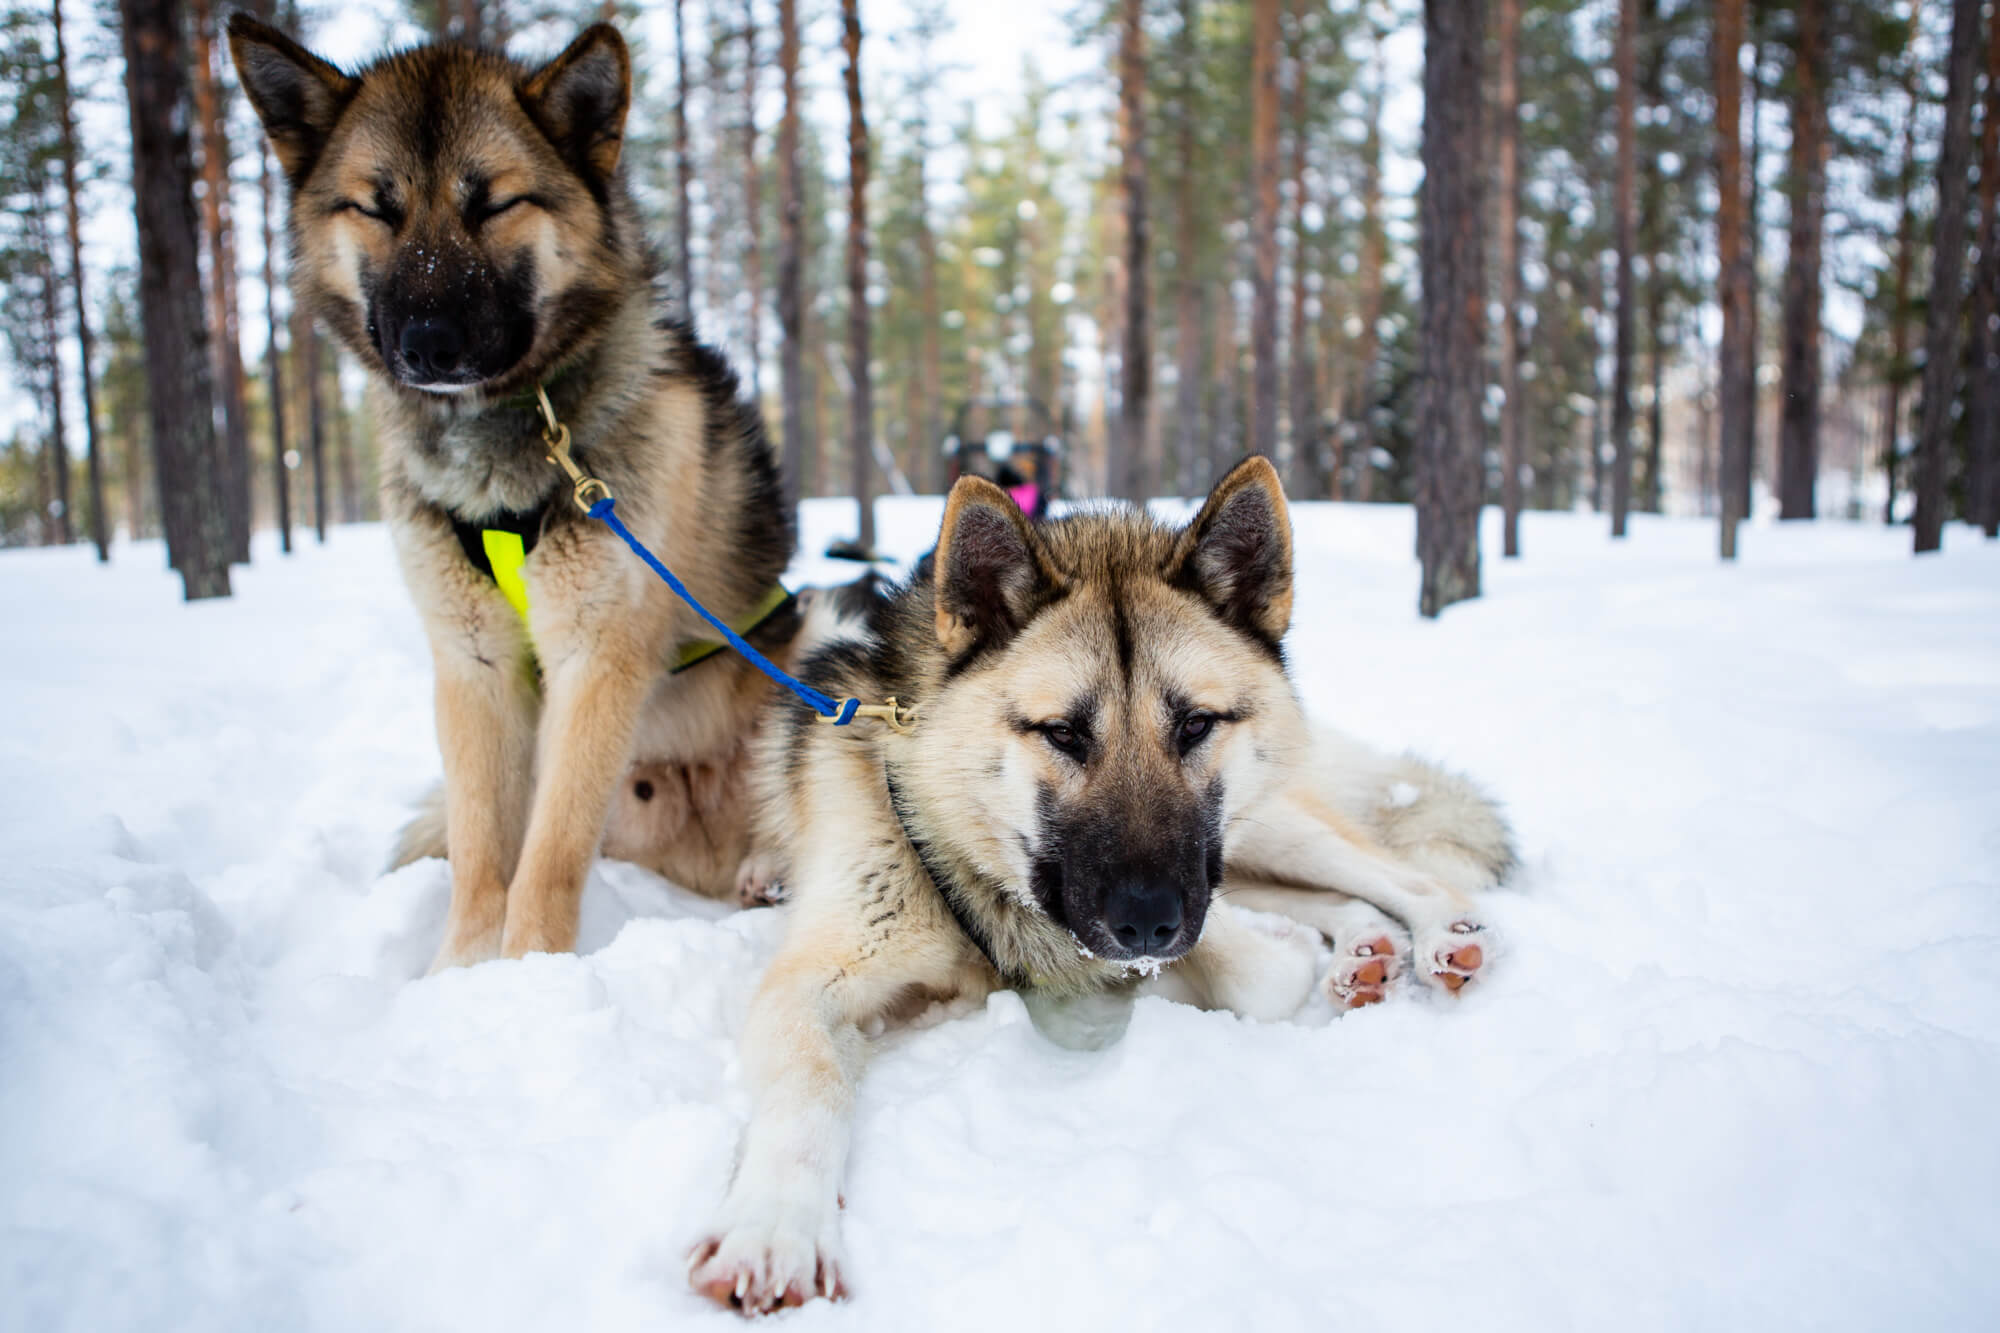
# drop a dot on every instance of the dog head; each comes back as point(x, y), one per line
point(1113, 690)
point(455, 216)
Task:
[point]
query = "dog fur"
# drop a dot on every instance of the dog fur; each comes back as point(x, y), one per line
point(1108, 761)
point(458, 220)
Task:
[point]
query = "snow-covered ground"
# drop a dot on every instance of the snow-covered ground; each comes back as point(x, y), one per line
point(1736, 1066)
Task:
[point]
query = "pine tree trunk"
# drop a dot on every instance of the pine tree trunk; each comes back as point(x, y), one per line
point(1188, 287)
point(1133, 479)
point(927, 428)
point(1899, 293)
point(1450, 445)
point(1306, 479)
point(1733, 261)
point(186, 460)
point(753, 255)
point(861, 402)
point(1947, 307)
point(212, 115)
point(1625, 220)
point(51, 334)
point(1798, 422)
point(1264, 227)
point(1744, 477)
point(273, 361)
point(1508, 109)
point(1374, 244)
point(1652, 88)
point(791, 221)
point(683, 172)
point(100, 524)
point(306, 350)
point(1983, 402)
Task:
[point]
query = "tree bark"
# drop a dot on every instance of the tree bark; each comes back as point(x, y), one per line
point(61, 531)
point(193, 509)
point(1450, 443)
point(1983, 402)
point(861, 401)
point(306, 350)
point(1733, 262)
point(1307, 479)
point(1374, 245)
point(683, 171)
point(273, 361)
point(1508, 109)
point(1899, 309)
point(1798, 422)
point(1130, 473)
point(1625, 220)
point(1947, 308)
point(753, 256)
point(1652, 88)
point(1188, 287)
point(1744, 477)
point(212, 114)
point(791, 221)
point(100, 525)
point(1264, 228)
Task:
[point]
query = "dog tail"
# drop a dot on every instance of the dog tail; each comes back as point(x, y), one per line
point(1434, 818)
point(423, 836)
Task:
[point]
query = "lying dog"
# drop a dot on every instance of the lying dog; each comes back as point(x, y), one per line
point(460, 222)
point(1106, 745)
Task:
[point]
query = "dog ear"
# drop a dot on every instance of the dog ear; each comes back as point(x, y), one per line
point(1238, 551)
point(297, 95)
point(989, 571)
point(580, 99)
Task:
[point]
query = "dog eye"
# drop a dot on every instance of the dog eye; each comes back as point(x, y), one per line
point(1194, 730)
point(381, 213)
point(491, 211)
point(1063, 736)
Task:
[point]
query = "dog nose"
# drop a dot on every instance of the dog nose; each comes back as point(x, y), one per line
point(431, 347)
point(1143, 917)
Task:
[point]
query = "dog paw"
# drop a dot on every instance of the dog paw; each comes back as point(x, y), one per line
point(755, 1270)
point(1364, 963)
point(1450, 955)
point(759, 881)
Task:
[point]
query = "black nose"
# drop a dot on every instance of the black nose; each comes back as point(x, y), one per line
point(1143, 917)
point(431, 347)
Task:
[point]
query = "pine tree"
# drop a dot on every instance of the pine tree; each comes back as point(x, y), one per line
point(1798, 422)
point(791, 295)
point(1450, 427)
point(1626, 221)
point(1943, 333)
point(1983, 398)
point(1132, 474)
point(1735, 388)
point(861, 402)
point(187, 462)
point(100, 529)
point(1508, 111)
point(1264, 227)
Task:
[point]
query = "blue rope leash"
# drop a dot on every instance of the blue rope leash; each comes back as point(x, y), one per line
point(839, 712)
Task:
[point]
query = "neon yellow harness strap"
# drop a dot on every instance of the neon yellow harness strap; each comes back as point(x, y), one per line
point(506, 554)
point(700, 650)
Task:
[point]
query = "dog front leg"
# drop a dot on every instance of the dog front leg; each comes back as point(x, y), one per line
point(1295, 838)
point(777, 1241)
point(590, 703)
point(486, 734)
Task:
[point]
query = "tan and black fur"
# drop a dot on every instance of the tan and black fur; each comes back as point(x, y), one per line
point(1108, 761)
point(459, 221)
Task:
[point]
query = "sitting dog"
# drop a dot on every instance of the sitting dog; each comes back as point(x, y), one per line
point(459, 221)
point(1106, 745)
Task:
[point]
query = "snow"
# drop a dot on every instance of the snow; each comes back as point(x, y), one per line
point(1735, 1065)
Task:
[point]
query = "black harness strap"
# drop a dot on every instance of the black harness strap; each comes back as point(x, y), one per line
point(947, 890)
point(525, 524)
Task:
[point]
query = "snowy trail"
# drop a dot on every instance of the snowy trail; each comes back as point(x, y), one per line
point(1734, 1067)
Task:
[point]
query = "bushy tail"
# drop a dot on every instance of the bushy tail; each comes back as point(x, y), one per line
point(424, 835)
